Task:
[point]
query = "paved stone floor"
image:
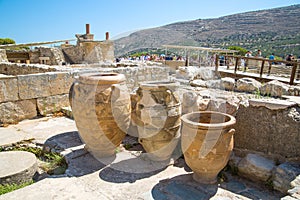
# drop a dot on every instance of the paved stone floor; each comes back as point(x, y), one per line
point(128, 175)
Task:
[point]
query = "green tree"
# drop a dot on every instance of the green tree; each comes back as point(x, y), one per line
point(4, 41)
point(241, 50)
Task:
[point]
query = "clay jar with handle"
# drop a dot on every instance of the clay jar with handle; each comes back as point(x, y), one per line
point(101, 108)
point(207, 141)
point(157, 116)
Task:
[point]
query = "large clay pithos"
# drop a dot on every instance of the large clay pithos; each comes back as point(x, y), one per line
point(101, 107)
point(157, 116)
point(207, 141)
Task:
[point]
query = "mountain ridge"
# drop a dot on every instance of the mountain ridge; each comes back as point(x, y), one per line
point(268, 30)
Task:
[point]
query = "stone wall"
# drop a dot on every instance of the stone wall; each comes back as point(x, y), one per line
point(90, 52)
point(3, 57)
point(22, 69)
point(25, 96)
point(29, 95)
point(270, 127)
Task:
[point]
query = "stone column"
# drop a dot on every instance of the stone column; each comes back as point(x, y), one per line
point(87, 28)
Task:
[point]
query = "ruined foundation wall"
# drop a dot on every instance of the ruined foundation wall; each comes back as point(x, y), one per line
point(268, 128)
point(29, 95)
point(22, 69)
point(3, 57)
point(89, 52)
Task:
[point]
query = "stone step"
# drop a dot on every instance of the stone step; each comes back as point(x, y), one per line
point(17, 167)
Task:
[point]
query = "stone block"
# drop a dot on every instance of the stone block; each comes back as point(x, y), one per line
point(17, 167)
point(52, 104)
point(198, 83)
point(274, 88)
point(189, 102)
point(60, 82)
point(43, 85)
point(33, 86)
point(256, 168)
point(214, 84)
point(3, 57)
point(13, 112)
point(228, 83)
point(284, 175)
point(272, 104)
point(248, 85)
point(8, 89)
point(295, 192)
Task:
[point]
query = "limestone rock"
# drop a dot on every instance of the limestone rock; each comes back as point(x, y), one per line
point(188, 73)
point(13, 112)
point(33, 86)
point(203, 104)
point(228, 83)
point(52, 104)
point(295, 192)
point(8, 89)
point(272, 104)
point(3, 57)
point(189, 102)
point(193, 72)
point(206, 74)
point(198, 83)
point(248, 85)
point(256, 168)
point(274, 88)
point(217, 105)
point(214, 84)
point(43, 85)
point(59, 82)
point(294, 90)
point(17, 167)
point(284, 175)
point(296, 182)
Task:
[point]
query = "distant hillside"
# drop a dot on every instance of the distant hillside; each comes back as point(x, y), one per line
point(274, 30)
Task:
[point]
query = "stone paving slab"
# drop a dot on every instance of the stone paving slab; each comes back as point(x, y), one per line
point(128, 175)
point(17, 166)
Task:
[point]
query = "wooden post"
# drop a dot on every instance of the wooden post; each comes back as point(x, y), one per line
point(293, 74)
point(262, 68)
point(236, 65)
point(187, 59)
point(227, 61)
point(270, 66)
point(298, 72)
point(217, 63)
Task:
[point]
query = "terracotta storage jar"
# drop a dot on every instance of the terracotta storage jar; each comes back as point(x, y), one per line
point(157, 116)
point(101, 108)
point(207, 141)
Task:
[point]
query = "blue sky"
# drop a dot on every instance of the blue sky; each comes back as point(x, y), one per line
point(45, 20)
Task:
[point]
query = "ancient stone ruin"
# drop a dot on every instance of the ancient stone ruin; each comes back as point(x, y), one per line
point(266, 138)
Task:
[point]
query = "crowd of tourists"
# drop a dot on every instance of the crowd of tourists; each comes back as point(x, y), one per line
point(148, 57)
point(289, 57)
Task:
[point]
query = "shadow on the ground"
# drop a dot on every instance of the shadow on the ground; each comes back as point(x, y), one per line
point(131, 170)
point(183, 187)
point(63, 141)
point(249, 189)
point(80, 162)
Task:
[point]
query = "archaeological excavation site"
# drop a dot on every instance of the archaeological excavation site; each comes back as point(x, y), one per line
point(147, 129)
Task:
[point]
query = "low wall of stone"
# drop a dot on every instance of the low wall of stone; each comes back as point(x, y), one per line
point(29, 95)
point(270, 127)
point(3, 57)
point(8, 68)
